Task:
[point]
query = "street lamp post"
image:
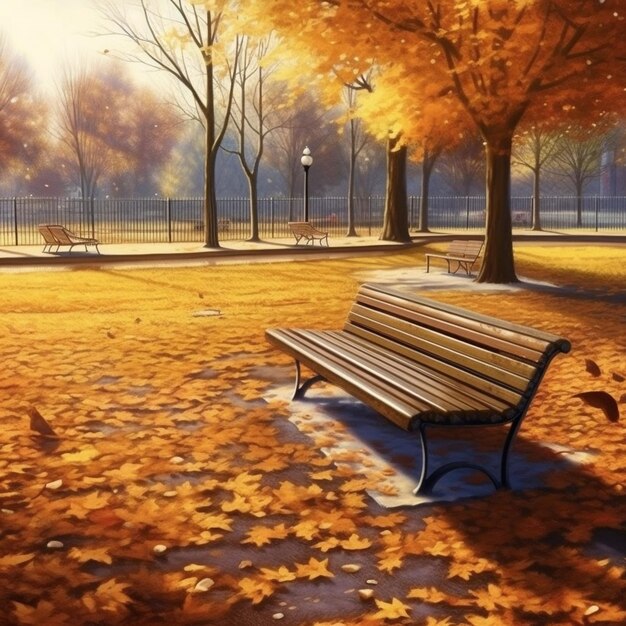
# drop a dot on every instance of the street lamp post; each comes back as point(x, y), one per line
point(307, 161)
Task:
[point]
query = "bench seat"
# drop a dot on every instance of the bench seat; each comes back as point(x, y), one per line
point(421, 363)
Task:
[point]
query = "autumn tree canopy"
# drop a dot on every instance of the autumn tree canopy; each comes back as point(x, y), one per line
point(502, 61)
point(22, 115)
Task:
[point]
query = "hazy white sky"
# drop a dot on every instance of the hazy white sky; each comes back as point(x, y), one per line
point(47, 32)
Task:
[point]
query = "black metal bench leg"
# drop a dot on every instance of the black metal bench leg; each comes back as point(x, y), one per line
point(427, 482)
point(301, 389)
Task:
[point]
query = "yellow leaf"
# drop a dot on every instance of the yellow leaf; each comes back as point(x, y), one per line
point(15, 559)
point(86, 454)
point(261, 535)
point(354, 542)
point(256, 589)
point(391, 610)
point(82, 555)
point(314, 569)
point(281, 575)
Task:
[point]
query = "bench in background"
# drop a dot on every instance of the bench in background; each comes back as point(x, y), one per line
point(463, 253)
point(57, 235)
point(305, 231)
point(421, 364)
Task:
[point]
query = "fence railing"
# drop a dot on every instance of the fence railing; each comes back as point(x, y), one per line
point(145, 220)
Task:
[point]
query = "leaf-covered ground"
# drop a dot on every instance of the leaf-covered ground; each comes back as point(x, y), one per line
point(174, 494)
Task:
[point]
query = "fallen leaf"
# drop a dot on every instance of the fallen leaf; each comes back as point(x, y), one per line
point(601, 400)
point(314, 569)
point(391, 610)
point(592, 368)
point(39, 424)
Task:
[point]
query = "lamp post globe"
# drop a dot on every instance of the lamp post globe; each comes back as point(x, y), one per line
point(307, 160)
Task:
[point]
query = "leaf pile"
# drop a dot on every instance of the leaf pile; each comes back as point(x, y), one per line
point(144, 481)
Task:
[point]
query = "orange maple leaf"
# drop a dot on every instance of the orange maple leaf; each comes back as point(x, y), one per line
point(261, 535)
point(256, 589)
point(314, 569)
point(391, 610)
point(354, 542)
point(281, 575)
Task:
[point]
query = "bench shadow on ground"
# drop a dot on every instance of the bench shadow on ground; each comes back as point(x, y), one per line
point(489, 521)
point(352, 433)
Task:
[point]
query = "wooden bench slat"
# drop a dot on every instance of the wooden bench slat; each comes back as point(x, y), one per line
point(460, 375)
point(393, 408)
point(471, 331)
point(432, 377)
point(446, 344)
point(516, 334)
point(425, 399)
point(406, 334)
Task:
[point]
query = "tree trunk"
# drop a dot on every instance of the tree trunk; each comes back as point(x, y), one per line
point(498, 265)
point(396, 219)
point(579, 203)
point(427, 170)
point(536, 216)
point(351, 229)
point(211, 239)
point(254, 209)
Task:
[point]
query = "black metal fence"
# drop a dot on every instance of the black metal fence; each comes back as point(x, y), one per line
point(152, 220)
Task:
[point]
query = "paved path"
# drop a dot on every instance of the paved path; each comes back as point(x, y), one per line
point(245, 251)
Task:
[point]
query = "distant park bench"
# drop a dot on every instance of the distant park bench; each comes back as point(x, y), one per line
point(57, 235)
point(421, 363)
point(463, 253)
point(305, 231)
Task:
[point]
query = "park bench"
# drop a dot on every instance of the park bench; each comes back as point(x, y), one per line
point(305, 231)
point(421, 364)
point(463, 253)
point(57, 235)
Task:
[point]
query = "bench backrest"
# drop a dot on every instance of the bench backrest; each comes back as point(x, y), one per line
point(301, 228)
point(48, 237)
point(499, 362)
point(470, 248)
point(61, 234)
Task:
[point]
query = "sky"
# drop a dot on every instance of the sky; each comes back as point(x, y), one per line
point(48, 32)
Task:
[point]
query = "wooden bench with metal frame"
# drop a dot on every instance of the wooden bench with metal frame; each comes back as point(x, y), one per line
point(463, 253)
point(64, 237)
point(423, 364)
point(305, 231)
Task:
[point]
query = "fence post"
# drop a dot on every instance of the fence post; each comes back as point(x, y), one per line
point(92, 216)
point(272, 217)
point(369, 218)
point(467, 207)
point(168, 214)
point(595, 202)
point(17, 242)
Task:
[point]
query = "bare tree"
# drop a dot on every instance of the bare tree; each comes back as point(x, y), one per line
point(532, 150)
point(578, 160)
point(111, 130)
point(256, 113)
point(189, 42)
point(463, 169)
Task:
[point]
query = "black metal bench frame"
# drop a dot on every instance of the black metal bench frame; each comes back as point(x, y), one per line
point(424, 364)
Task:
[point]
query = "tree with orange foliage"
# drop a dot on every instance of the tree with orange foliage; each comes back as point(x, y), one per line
point(22, 116)
point(502, 61)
